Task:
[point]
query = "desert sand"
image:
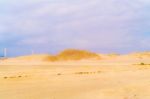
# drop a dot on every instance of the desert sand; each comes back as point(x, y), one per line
point(111, 77)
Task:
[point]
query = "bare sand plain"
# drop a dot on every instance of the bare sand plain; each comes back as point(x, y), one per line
point(112, 77)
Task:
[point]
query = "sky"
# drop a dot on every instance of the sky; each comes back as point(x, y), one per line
point(49, 26)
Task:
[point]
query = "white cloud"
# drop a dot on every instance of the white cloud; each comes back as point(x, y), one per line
point(82, 23)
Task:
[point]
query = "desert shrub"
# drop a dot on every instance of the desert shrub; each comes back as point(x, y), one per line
point(142, 63)
point(80, 73)
point(51, 58)
point(73, 54)
point(5, 77)
point(83, 73)
point(59, 74)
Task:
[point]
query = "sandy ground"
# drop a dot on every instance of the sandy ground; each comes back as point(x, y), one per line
point(112, 78)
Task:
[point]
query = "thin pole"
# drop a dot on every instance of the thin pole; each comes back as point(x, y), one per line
point(5, 52)
point(32, 52)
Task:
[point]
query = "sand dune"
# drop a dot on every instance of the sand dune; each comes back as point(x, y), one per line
point(111, 77)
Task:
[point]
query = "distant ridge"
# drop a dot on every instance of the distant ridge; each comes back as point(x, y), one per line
point(75, 54)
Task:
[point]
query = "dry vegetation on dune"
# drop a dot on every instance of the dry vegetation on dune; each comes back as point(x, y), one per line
point(141, 54)
point(73, 54)
point(51, 58)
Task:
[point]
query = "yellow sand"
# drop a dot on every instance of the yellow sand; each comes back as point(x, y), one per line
point(113, 77)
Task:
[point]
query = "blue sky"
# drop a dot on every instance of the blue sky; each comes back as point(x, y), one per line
point(48, 26)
